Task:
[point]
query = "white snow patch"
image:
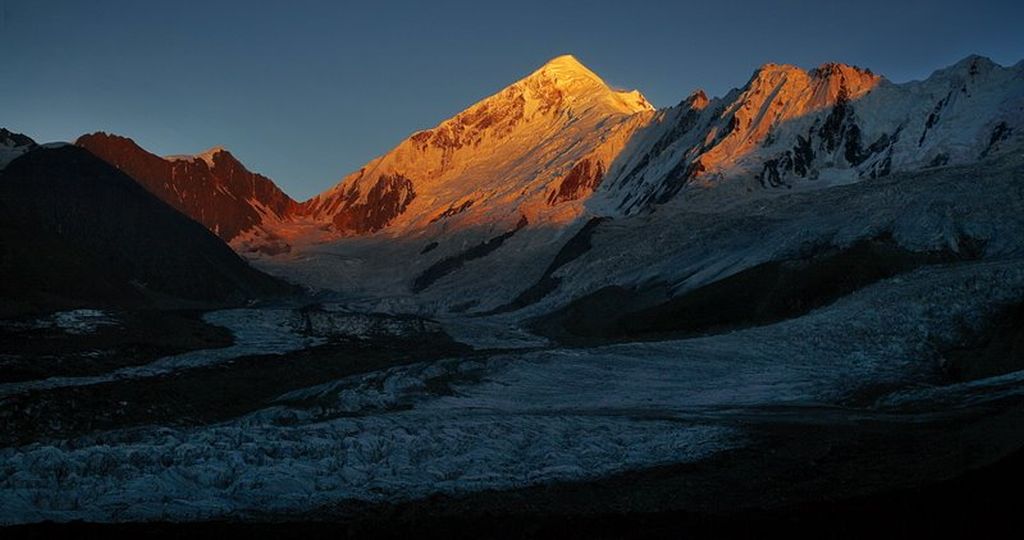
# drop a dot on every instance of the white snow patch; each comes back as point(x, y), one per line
point(79, 321)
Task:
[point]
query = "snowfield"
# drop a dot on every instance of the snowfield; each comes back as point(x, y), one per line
point(705, 235)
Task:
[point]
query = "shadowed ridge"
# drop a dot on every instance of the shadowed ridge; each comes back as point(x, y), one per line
point(212, 187)
point(78, 232)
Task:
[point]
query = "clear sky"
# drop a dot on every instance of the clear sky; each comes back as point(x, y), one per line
point(305, 92)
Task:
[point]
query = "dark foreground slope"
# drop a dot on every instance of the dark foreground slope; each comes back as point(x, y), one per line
point(75, 231)
point(963, 506)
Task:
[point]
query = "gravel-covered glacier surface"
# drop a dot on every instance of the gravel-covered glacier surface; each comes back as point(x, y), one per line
point(255, 331)
point(521, 418)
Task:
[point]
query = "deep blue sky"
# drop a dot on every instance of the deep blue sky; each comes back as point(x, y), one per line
point(306, 92)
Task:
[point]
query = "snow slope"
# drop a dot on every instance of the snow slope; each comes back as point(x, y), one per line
point(13, 145)
point(481, 204)
point(834, 124)
point(701, 236)
point(559, 146)
point(545, 140)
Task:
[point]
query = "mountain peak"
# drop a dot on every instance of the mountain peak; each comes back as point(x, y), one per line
point(213, 150)
point(975, 59)
point(975, 64)
point(104, 137)
point(13, 145)
point(566, 63)
point(854, 76)
point(565, 75)
point(826, 84)
point(824, 71)
point(697, 99)
point(110, 143)
point(207, 155)
point(546, 138)
point(12, 139)
point(565, 71)
point(771, 69)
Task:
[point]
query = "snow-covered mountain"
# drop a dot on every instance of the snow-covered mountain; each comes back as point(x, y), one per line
point(560, 134)
point(13, 145)
point(560, 143)
point(485, 204)
point(532, 151)
point(789, 127)
point(212, 188)
point(491, 195)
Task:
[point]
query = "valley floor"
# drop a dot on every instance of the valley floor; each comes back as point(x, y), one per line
point(395, 417)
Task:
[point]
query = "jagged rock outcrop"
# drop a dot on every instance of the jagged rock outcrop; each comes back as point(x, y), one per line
point(212, 188)
point(830, 125)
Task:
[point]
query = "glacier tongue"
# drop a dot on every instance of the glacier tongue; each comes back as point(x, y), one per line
point(523, 418)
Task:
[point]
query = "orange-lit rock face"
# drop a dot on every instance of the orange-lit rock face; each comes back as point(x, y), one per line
point(560, 142)
point(543, 145)
point(535, 148)
point(212, 188)
point(697, 100)
point(751, 132)
point(387, 198)
point(582, 180)
point(775, 95)
point(539, 148)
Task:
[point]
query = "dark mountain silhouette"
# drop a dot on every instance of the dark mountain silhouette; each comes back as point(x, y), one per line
point(76, 231)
